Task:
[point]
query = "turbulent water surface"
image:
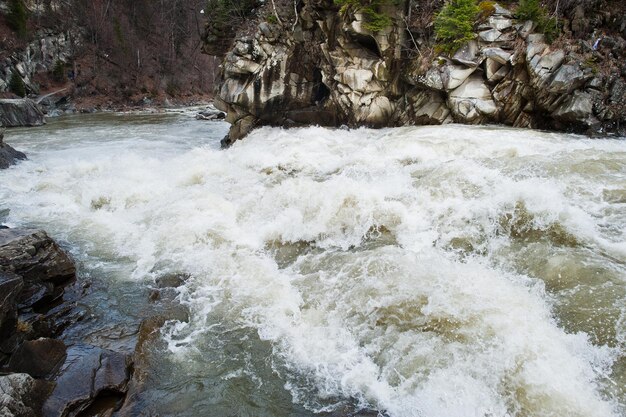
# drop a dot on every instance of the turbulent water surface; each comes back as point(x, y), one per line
point(422, 271)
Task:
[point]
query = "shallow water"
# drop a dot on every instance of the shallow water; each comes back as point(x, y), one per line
point(421, 271)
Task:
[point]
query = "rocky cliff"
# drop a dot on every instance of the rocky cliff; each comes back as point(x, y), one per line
point(324, 66)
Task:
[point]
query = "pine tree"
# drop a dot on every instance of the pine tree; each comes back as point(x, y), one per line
point(16, 85)
point(454, 25)
point(17, 17)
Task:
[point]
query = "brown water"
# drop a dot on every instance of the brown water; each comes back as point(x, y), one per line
point(433, 271)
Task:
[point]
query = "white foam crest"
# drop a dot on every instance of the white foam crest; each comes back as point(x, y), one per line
point(409, 328)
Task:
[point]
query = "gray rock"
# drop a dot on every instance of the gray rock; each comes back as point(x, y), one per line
point(491, 35)
point(567, 78)
point(432, 79)
point(21, 395)
point(577, 108)
point(8, 155)
point(455, 75)
point(20, 112)
point(500, 23)
point(491, 69)
point(34, 256)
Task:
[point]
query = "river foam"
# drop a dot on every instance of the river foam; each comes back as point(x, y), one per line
point(433, 271)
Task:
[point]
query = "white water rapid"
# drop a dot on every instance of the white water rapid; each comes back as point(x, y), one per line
point(421, 271)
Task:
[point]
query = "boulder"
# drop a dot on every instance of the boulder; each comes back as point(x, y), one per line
point(468, 55)
point(455, 75)
point(21, 395)
point(8, 155)
point(38, 358)
point(472, 100)
point(491, 35)
point(567, 78)
point(34, 256)
point(577, 108)
point(20, 112)
point(497, 54)
point(88, 373)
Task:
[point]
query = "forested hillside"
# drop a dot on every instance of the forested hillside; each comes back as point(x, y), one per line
point(117, 51)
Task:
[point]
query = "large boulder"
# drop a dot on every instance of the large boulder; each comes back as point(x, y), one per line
point(8, 155)
point(34, 256)
point(88, 374)
point(20, 112)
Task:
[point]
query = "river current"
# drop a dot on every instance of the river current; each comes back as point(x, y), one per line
point(422, 271)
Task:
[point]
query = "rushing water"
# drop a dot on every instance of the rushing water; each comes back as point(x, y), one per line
point(422, 271)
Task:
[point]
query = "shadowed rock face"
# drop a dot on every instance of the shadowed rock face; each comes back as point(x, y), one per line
point(8, 155)
point(330, 70)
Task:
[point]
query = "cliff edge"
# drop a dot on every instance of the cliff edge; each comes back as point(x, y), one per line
point(318, 63)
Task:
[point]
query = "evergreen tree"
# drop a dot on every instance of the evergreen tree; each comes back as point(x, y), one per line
point(16, 85)
point(454, 25)
point(17, 17)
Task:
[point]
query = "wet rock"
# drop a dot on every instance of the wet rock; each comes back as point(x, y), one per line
point(34, 256)
point(38, 358)
point(211, 114)
point(21, 395)
point(491, 35)
point(497, 54)
point(8, 155)
point(88, 374)
point(10, 288)
point(20, 112)
point(171, 280)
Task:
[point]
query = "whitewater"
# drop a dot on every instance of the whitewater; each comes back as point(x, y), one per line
point(445, 271)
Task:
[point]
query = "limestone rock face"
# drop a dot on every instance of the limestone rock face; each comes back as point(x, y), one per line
point(20, 112)
point(329, 69)
point(39, 56)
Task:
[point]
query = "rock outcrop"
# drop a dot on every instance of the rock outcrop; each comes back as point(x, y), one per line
point(40, 55)
point(8, 155)
point(20, 112)
point(329, 69)
point(47, 377)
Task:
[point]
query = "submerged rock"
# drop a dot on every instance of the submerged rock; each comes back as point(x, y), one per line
point(20, 112)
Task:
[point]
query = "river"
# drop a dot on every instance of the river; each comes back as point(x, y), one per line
point(422, 271)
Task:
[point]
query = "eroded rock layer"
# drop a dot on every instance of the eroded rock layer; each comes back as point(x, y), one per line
point(328, 69)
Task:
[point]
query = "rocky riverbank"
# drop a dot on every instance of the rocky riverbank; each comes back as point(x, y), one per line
point(39, 372)
point(327, 68)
